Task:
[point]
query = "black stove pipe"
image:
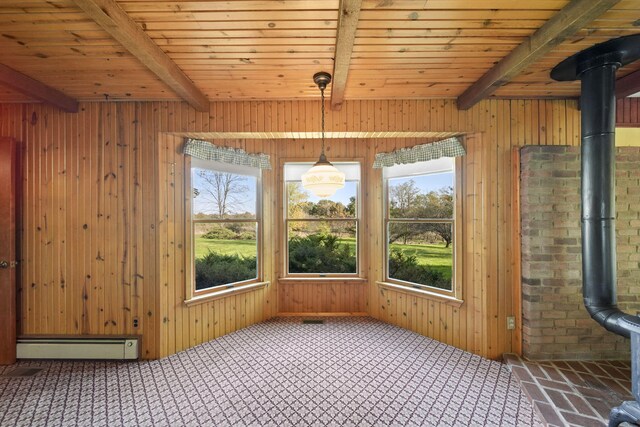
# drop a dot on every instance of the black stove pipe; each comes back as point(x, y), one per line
point(596, 67)
point(598, 196)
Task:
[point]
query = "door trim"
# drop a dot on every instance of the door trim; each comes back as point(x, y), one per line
point(9, 180)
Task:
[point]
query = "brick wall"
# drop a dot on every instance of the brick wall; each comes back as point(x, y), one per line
point(555, 323)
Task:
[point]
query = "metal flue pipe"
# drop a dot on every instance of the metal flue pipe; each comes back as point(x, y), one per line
point(598, 173)
point(596, 67)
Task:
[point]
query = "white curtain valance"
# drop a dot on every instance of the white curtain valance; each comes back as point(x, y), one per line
point(450, 147)
point(205, 150)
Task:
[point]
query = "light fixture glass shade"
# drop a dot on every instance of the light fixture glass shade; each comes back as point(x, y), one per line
point(323, 179)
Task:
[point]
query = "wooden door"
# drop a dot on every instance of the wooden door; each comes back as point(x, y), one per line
point(8, 253)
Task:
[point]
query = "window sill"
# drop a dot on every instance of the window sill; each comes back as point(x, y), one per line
point(422, 293)
point(329, 279)
point(225, 293)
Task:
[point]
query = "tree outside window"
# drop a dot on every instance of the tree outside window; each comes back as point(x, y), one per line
point(322, 234)
point(420, 224)
point(224, 224)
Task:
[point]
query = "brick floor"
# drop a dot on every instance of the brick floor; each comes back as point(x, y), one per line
point(574, 393)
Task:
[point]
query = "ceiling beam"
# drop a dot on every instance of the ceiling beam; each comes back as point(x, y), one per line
point(116, 22)
point(348, 16)
point(35, 89)
point(573, 17)
point(628, 85)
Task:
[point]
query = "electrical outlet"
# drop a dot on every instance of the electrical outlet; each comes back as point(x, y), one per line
point(511, 322)
point(135, 322)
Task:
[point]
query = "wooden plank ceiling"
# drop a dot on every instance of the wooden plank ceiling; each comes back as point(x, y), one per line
point(262, 50)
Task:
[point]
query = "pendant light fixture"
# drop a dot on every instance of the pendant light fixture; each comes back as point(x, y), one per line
point(323, 179)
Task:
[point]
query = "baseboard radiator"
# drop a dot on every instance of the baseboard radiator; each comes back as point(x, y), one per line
point(107, 348)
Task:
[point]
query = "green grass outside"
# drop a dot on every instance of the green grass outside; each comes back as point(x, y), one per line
point(245, 248)
point(436, 256)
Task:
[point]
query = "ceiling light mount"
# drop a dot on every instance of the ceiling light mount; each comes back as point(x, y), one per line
point(322, 79)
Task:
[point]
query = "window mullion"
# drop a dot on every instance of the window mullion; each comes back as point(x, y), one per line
point(222, 221)
point(421, 220)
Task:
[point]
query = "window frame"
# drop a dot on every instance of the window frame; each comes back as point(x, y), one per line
point(190, 223)
point(359, 273)
point(456, 223)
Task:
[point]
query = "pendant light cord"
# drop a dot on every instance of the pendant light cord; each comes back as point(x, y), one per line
point(322, 95)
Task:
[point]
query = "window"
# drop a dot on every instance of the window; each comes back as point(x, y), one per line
point(420, 223)
point(225, 221)
point(322, 234)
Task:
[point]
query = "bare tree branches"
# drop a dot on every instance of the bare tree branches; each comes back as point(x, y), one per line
point(224, 192)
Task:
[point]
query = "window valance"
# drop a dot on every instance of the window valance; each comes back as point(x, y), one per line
point(450, 147)
point(205, 150)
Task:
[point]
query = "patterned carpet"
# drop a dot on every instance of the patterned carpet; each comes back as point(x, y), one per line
point(349, 371)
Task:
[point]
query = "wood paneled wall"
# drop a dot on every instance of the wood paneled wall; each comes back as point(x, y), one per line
point(88, 219)
point(335, 297)
point(183, 327)
point(103, 229)
point(487, 267)
point(628, 112)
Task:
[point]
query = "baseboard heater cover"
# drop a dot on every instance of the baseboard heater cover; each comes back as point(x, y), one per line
point(78, 348)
